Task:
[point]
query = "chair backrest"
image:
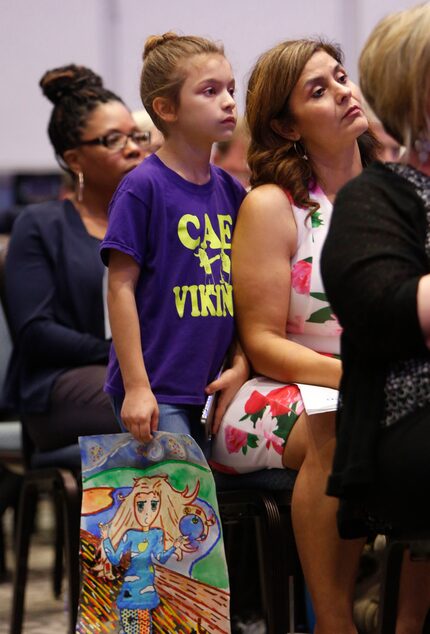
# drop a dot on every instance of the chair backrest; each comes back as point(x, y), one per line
point(5, 336)
point(10, 426)
point(4, 241)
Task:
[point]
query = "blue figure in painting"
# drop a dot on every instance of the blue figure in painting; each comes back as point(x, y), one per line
point(194, 526)
point(145, 526)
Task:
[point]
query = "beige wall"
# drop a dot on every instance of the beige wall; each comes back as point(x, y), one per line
point(108, 36)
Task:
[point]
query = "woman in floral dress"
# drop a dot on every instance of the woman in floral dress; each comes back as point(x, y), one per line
point(308, 138)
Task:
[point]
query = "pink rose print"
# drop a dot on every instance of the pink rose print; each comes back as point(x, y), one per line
point(235, 439)
point(276, 442)
point(281, 399)
point(301, 277)
point(255, 403)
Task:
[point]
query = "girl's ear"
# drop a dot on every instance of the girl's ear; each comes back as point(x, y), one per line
point(71, 158)
point(165, 109)
point(286, 131)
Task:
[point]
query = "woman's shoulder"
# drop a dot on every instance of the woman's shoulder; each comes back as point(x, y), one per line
point(268, 199)
point(267, 211)
point(380, 181)
point(377, 174)
point(270, 191)
point(41, 215)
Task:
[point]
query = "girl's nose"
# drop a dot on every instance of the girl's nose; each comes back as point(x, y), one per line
point(229, 101)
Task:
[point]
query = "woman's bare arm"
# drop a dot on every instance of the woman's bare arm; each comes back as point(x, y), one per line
point(264, 241)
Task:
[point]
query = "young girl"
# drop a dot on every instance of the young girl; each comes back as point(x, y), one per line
point(167, 245)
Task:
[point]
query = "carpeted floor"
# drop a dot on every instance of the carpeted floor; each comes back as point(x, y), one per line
point(43, 613)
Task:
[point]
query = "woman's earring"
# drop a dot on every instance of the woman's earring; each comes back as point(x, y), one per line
point(422, 147)
point(80, 192)
point(300, 150)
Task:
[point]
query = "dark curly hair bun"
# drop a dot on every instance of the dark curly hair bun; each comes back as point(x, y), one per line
point(68, 80)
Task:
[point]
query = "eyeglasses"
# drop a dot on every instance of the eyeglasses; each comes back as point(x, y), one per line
point(117, 141)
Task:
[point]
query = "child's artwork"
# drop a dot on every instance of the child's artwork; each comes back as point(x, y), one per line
point(152, 553)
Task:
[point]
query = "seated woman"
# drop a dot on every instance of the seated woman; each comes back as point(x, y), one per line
point(54, 276)
point(376, 269)
point(308, 138)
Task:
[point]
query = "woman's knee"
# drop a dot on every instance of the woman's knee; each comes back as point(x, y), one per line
point(312, 438)
point(297, 444)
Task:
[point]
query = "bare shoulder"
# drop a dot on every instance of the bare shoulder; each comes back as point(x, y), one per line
point(268, 208)
point(267, 196)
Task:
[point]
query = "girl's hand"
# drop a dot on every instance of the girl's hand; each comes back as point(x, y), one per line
point(139, 413)
point(228, 384)
point(177, 545)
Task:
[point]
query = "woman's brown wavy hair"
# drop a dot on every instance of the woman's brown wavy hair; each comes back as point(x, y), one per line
point(271, 157)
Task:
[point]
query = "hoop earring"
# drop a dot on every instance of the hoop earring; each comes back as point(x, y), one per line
point(300, 150)
point(422, 148)
point(80, 188)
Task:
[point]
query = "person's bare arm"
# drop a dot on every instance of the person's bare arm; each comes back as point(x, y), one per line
point(264, 241)
point(139, 412)
point(423, 307)
point(229, 383)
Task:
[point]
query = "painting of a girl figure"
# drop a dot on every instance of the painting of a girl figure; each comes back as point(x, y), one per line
point(151, 542)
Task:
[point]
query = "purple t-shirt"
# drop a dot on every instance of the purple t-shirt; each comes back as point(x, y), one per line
point(180, 235)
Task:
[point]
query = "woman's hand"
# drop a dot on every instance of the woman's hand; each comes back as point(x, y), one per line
point(228, 384)
point(139, 413)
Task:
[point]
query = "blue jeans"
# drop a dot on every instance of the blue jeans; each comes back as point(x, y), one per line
point(178, 419)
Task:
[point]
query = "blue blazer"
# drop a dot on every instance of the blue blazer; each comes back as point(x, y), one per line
point(54, 281)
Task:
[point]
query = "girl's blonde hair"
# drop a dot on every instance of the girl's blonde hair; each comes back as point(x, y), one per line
point(173, 504)
point(164, 69)
point(395, 73)
point(272, 158)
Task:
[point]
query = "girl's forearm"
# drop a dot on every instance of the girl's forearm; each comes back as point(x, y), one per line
point(125, 328)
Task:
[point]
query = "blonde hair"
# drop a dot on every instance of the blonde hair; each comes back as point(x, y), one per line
point(164, 69)
point(172, 507)
point(395, 73)
point(174, 504)
point(271, 157)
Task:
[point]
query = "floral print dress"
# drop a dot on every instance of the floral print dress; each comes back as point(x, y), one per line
point(256, 425)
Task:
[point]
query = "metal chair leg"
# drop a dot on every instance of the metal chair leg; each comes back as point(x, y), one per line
point(274, 581)
point(72, 512)
point(57, 578)
point(396, 545)
point(26, 512)
point(276, 563)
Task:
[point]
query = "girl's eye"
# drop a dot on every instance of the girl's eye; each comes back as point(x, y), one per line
point(209, 91)
point(140, 506)
point(232, 91)
point(343, 78)
point(154, 505)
